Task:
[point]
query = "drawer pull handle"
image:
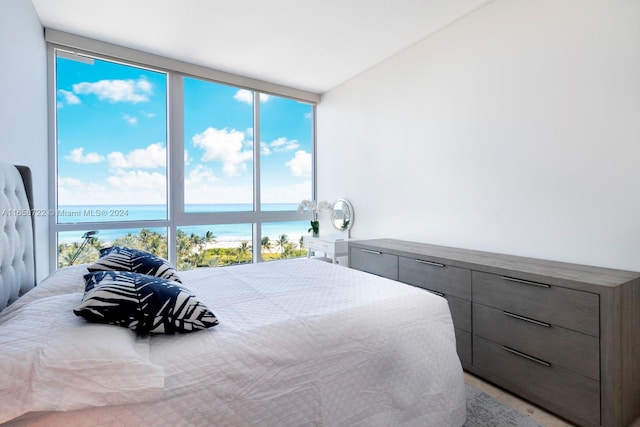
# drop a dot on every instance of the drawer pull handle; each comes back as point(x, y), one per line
point(369, 251)
point(526, 319)
point(440, 294)
point(525, 282)
point(436, 264)
point(526, 356)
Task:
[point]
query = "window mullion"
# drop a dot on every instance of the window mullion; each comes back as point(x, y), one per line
point(314, 157)
point(175, 162)
point(53, 156)
point(257, 228)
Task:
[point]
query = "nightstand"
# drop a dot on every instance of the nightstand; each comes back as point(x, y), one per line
point(332, 246)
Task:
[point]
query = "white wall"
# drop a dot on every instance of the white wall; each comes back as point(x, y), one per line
point(514, 130)
point(23, 105)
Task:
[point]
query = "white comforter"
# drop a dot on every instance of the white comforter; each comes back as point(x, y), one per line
point(300, 342)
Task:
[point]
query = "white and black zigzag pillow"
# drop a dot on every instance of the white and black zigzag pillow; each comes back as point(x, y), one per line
point(145, 304)
point(121, 258)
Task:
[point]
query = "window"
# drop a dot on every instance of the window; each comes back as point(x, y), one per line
point(197, 171)
point(218, 140)
point(111, 142)
point(286, 147)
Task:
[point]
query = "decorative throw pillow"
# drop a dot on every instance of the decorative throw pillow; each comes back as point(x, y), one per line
point(121, 258)
point(145, 304)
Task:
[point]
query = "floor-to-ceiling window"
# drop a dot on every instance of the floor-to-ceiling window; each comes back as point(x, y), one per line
point(200, 172)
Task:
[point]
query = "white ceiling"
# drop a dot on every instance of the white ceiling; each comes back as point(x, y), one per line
point(313, 45)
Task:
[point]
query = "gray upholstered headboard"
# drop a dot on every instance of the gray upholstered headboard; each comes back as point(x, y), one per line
point(17, 246)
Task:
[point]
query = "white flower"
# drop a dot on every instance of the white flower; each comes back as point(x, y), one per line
point(307, 205)
point(314, 206)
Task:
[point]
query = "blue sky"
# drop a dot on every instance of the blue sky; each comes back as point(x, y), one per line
point(112, 139)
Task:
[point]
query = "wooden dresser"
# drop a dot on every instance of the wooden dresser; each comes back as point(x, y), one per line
point(564, 336)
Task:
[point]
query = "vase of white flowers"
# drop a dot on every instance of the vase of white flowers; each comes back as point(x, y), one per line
point(315, 208)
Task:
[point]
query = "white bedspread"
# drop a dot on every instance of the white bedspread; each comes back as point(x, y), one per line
point(300, 343)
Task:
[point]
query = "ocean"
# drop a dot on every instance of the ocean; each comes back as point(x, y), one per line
point(223, 232)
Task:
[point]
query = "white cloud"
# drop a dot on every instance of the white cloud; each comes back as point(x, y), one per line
point(132, 120)
point(72, 191)
point(284, 144)
point(153, 156)
point(201, 185)
point(213, 194)
point(133, 181)
point(117, 90)
point(70, 183)
point(144, 85)
point(122, 188)
point(246, 96)
point(77, 156)
point(300, 164)
point(278, 146)
point(201, 175)
point(286, 193)
point(69, 97)
point(225, 146)
point(125, 185)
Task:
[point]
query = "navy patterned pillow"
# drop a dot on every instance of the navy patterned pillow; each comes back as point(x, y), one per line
point(121, 258)
point(145, 304)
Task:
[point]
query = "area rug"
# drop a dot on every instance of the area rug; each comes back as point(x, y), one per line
point(485, 411)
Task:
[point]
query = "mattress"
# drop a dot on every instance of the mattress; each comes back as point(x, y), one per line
point(300, 342)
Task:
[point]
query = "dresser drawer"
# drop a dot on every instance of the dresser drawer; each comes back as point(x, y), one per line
point(575, 393)
point(372, 261)
point(463, 345)
point(571, 350)
point(571, 309)
point(435, 276)
point(319, 245)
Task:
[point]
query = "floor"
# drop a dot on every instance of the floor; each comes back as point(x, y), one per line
point(539, 415)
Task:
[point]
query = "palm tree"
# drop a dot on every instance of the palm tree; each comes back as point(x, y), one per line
point(145, 239)
point(95, 242)
point(289, 250)
point(66, 253)
point(209, 237)
point(197, 240)
point(129, 240)
point(266, 244)
point(244, 251)
point(214, 262)
point(185, 246)
point(185, 265)
point(200, 244)
point(282, 242)
point(89, 254)
point(152, 241)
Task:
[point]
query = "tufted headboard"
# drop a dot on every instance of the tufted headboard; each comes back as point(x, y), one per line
point(17, 246)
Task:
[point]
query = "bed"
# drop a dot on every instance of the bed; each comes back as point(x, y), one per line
point(298, 343)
